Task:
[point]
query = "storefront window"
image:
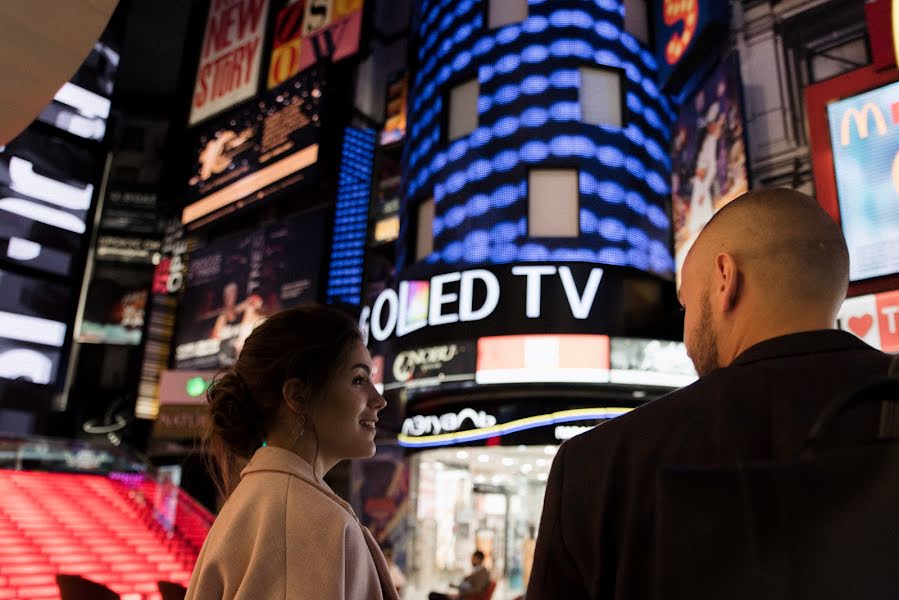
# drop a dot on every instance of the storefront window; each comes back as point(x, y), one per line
point(467, 499)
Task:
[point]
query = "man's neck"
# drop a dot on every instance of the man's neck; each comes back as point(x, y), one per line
point(761, 328)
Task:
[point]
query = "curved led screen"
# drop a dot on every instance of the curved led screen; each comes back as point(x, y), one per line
point(533, 110)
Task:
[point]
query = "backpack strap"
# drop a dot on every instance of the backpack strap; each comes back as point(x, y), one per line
point(889, 411)
point(884, 390)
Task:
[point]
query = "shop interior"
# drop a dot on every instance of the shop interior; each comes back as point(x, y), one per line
point(476, 498)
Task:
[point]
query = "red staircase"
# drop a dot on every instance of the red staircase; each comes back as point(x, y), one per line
point(124, 531)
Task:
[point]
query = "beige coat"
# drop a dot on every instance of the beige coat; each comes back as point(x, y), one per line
point(284, 535)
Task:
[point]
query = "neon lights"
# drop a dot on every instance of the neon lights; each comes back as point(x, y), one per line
point(483, 433)
point(351, 216)
point(529, 112)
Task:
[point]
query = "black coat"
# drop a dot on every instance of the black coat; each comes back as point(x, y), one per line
point(597, 535)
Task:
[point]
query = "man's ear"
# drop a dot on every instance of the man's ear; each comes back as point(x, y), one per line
point(295, 396)
point(726, 282)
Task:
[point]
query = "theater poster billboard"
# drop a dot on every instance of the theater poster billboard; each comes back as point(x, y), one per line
point(230, 57)
point(307, 31)
point(235, 282)
point(708, 155)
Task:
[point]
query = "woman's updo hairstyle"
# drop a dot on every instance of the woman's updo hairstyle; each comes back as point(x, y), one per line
point(309, 343)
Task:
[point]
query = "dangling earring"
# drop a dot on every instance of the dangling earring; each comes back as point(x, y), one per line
point(299, 427)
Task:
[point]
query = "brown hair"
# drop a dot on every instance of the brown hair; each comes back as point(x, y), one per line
point(308, 343)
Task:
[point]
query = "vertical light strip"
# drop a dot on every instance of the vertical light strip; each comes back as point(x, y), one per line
point(351, 216)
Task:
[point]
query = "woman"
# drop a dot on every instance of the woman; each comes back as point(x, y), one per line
point(298, 400)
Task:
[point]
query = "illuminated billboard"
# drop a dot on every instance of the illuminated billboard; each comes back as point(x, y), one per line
point(684, 32)
point(874, 318)
point(246, 154)
point(33, 328)
point(543, 358)
point(235, 282)
point(230, 57)
point(82, 105)
point(526, 86)
point(45, 200)
point(308, 31)
point(865, 146)
point(708, 155)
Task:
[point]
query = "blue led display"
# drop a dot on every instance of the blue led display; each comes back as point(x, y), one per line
point(529, 114)
point(351, 216)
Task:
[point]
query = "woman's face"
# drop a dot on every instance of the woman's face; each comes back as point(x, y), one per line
point(346, 420)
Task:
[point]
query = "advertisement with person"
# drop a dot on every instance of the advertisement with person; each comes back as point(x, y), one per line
point(230, 56)
point(866, 164)
point(235, 282)
point(249, 152)
point(708, 155)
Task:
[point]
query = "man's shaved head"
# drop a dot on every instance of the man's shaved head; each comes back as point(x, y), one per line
point(786, 238)
point(790, 269)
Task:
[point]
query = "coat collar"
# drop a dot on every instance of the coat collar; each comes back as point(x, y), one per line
point(272, 458)
point(798, 344)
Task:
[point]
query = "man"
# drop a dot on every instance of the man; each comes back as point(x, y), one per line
point(473, 585)
point(761, 289)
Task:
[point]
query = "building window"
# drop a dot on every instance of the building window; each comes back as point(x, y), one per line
point(636, 21)
point(601, 97)
point(424, 238)
point(553, 203)
point(463, 109)
point(506, 12)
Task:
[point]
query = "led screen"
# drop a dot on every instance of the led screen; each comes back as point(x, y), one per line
point(33, 317)
point(234, 282)
point(708, 155)
point(81, 106)
point(253, 150)
point(529, 115)
point(116, 303)
point(45, 199)
point(651, 362)
point(866, 162)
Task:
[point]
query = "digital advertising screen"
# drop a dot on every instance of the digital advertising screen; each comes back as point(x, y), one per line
point(234, 282)
point(33, 316)
point(81, 106)
point(651, 362)
point(683, 30)
point(708, 155)
point(246, 154)
point(874, 318)
point(45, 199)
point(397, 99)
point(116, 304)
point(385, 206)
point(866, 164)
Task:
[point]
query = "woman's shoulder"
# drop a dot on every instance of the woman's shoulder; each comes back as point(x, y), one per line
point(318, 503)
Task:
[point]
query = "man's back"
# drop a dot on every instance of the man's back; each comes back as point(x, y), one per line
point(597, 532)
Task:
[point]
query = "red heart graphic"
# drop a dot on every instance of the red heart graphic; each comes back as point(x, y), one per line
point(860, 326)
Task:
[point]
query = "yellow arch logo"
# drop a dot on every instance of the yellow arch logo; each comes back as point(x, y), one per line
point(861, 122)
